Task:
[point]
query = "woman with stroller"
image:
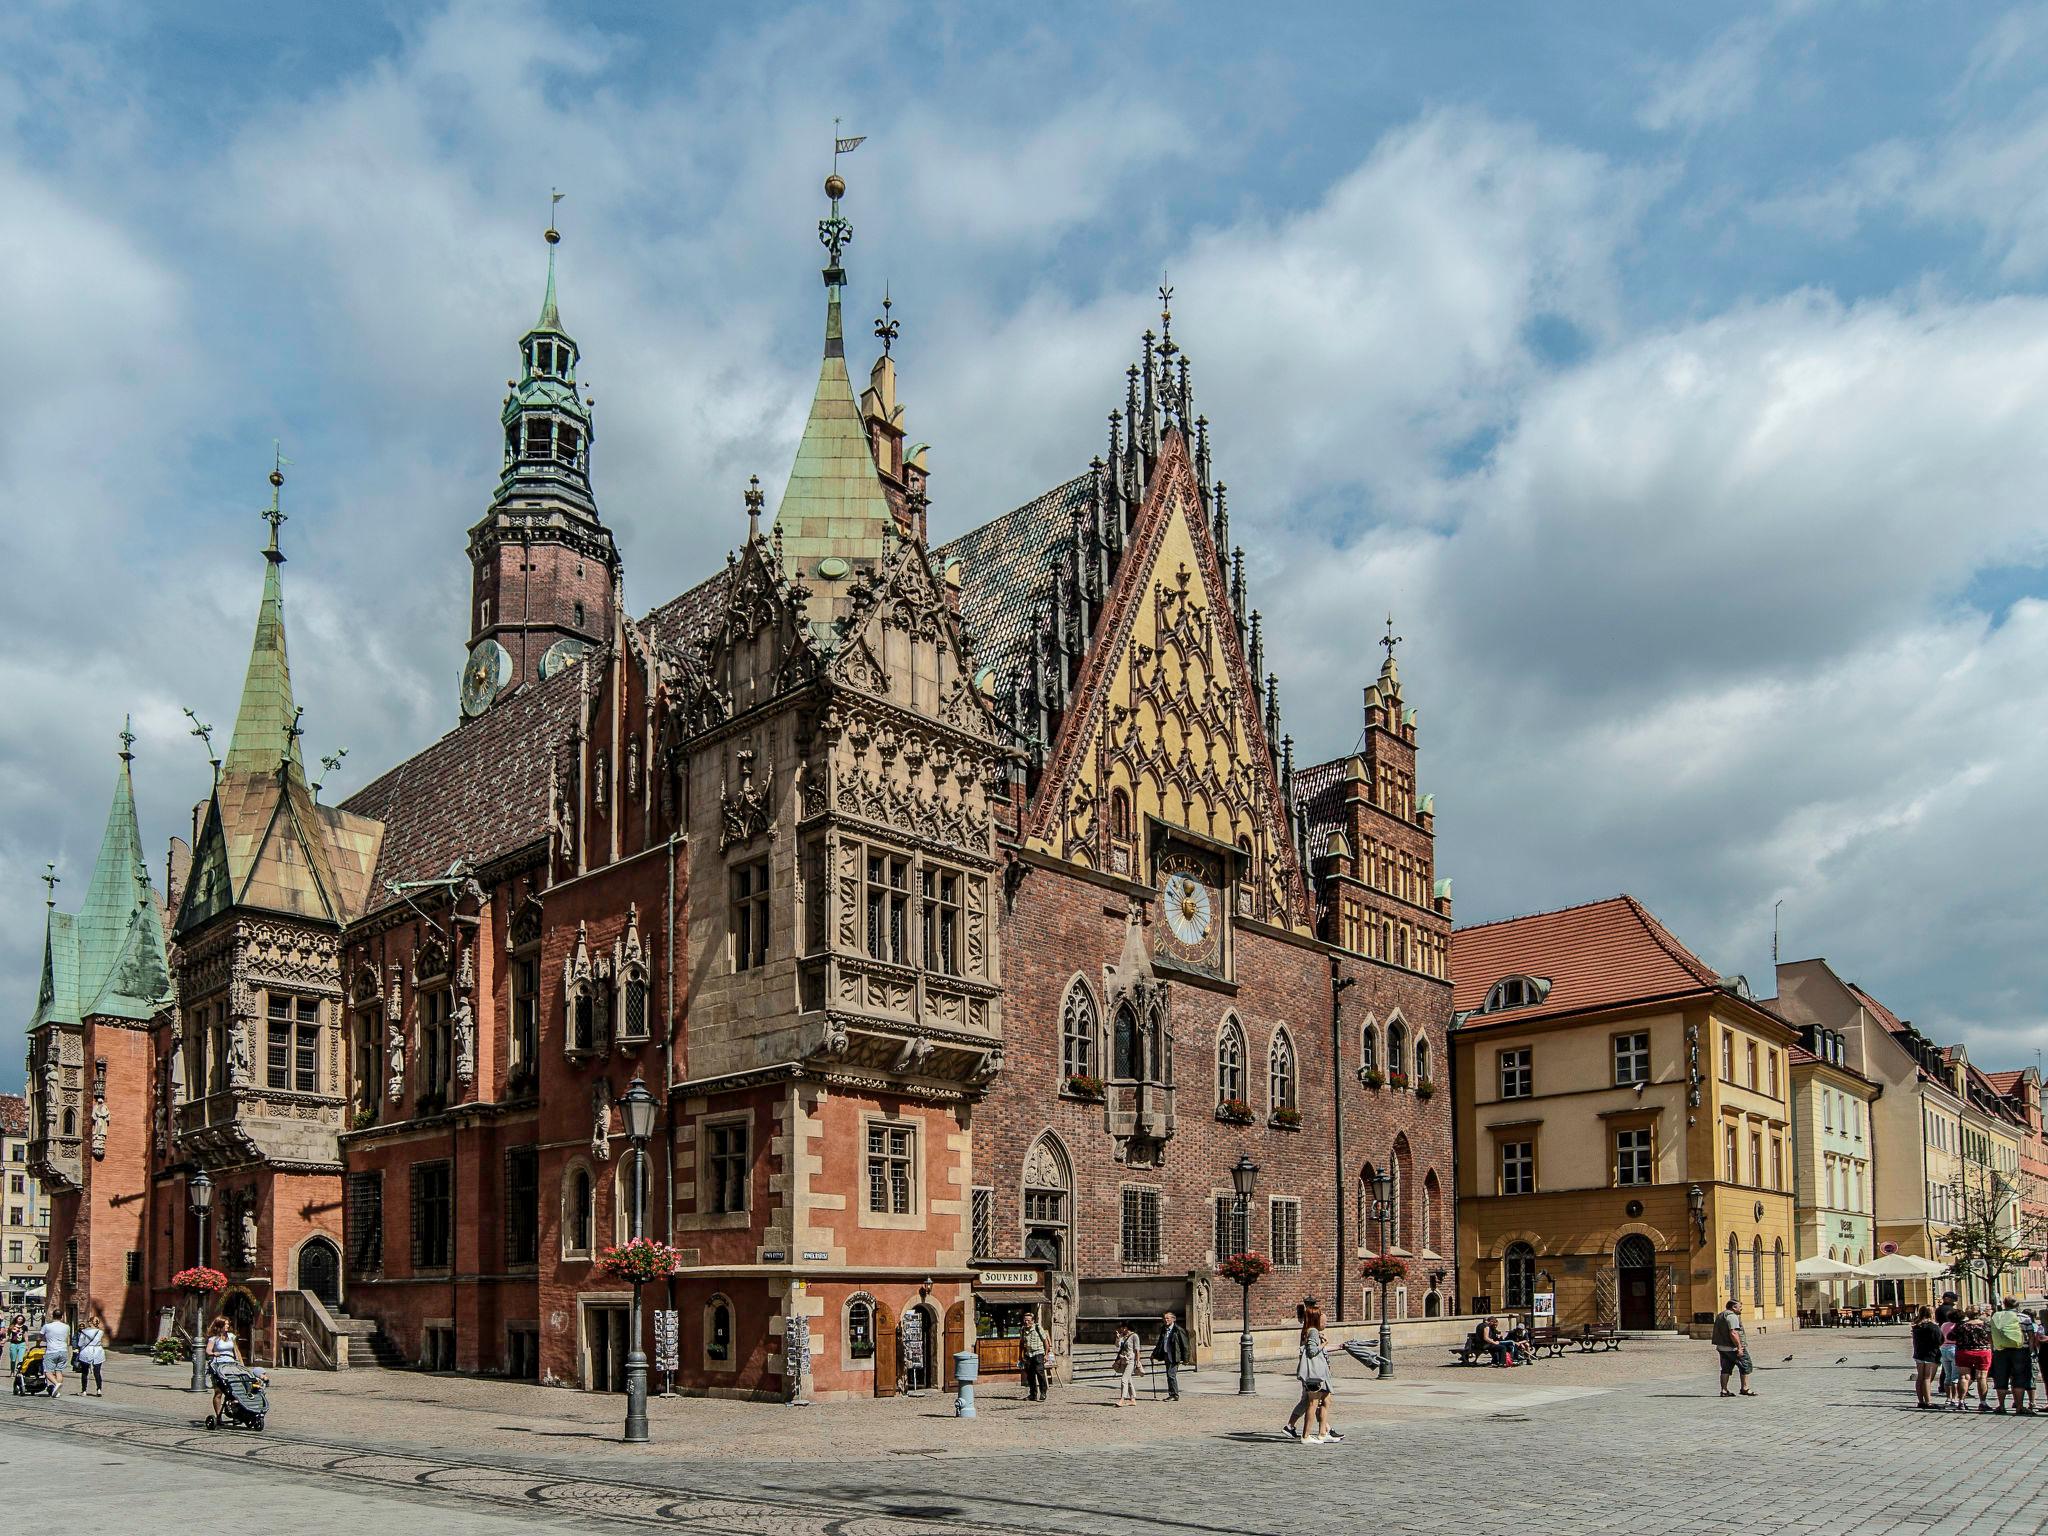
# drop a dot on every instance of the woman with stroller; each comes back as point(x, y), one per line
point(91, 1355)
point(220, 1348)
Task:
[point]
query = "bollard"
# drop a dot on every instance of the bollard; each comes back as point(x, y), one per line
point(966, 1367)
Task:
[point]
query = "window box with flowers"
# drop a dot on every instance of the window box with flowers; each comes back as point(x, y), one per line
point(1234, 1112)
point(1083, 1086)
point(1397, 1079)
point(1287, 1118)
point(1369, 1077)
point(1424, 1088)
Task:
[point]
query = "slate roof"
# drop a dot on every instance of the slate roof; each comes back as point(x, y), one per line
point(1603, 954)
point(1007, 566)
point(1319, 791)
point(479, 793)
point(13, 1115)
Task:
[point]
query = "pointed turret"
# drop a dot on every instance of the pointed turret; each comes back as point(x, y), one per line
point(835, 515)
point(543, 566)
point(124, 968)
point(266, 725)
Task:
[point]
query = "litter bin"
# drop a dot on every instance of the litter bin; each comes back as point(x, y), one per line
point(966, 1368)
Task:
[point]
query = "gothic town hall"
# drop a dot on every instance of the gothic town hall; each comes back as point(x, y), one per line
point(962, 905)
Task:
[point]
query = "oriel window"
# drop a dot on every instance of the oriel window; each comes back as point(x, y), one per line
point(941, 891)
point(750, 916)
point(888, 906)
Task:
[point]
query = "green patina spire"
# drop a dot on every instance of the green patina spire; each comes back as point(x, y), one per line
point(550, 317)
point(266, 725)
point(834, 511)
point(547, 422)
point(124, 968)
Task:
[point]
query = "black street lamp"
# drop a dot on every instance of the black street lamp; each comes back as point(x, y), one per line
point(1383, 1213)
point(638, 1109)
point(1244, 1176)
point(200, 1193)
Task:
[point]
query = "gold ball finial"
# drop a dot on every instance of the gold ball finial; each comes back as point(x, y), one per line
point(835, 186)
point(276, 477)
point(552, 235)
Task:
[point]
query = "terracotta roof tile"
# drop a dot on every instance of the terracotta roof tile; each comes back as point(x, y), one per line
point(13, 1115)
point(1603, 954)
point(1319, 791)
point(1891, 1021)
point(1007, 566)
point(689, 617)
point(2004, 1082)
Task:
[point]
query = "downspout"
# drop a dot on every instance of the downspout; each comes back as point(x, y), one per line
point(668, 1069)
point(1338, 983)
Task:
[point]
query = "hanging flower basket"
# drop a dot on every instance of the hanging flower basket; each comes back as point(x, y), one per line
point(1386, 1270)
point(1425, 1089)
point(639, 1262)
point(1082, 1086)
point(1245, 1268)
point(1287, 1118)
point(200, 1281)
point(1234, 1111)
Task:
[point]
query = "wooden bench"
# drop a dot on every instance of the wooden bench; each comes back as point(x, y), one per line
point(1591, 1339)
point(1546, 1340)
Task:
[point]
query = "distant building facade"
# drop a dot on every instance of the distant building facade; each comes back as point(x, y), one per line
point(24, 1215)
point(1837, 1180)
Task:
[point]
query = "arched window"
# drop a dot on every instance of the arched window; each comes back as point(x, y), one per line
point(1368, 1227)
point(1119, 815)
point(1515, 992)
point(1077, 1032)
point(1047, 1202)
point(1402, 1166)
point(860, 1327)
point(1230, 1064)
point(1369, 1048)
point(1756, 1272)
point(1280, 1072)
point(70, 1122)
point(1397, 1047)
point(1518, 1276)
point(1421, 1060)
point(579, 1214)
point(1127, 1049)
point(1778, 1269)
point(718, 1332)
point(1432, 1212)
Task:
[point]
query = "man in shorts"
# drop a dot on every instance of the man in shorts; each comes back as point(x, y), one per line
point(1733, 1347)
point(2012, 1356)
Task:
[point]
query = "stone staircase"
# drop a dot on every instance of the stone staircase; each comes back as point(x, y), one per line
point(368, 1344)
point(1096, 1364)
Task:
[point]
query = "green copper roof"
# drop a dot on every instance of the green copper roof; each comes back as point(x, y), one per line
point(550, 317)
point(263, 725)
point(833, 504)
point(57, 999)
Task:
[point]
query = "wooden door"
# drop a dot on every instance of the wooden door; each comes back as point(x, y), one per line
point(885, 1351)
point(956, 1340)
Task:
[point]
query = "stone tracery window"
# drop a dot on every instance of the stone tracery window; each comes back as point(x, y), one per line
point(1230, 1064)
point(1369, 1048)
point(1280, 1072)
point(1078, 1026)
point(1397, 1046)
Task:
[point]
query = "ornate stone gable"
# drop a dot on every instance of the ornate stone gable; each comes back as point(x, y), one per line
point(1165, 720)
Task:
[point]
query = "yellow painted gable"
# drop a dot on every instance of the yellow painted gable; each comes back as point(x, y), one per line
point(1169, 727)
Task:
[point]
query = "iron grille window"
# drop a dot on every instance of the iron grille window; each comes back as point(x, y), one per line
point(750, 916)
point(433, 1215)
point(1285, 1221)
point(635, 1024)
point(522, 1205)
point(1517, 1075)
point(363, 1221)
point(1518, 1167)
point(1232, 1235)
point(984, 1222)
point(1141, 1228)
point(889, 1169)
point(1631, 1058)
point(71, 1264)
point(1520, 1274)
point(1632, 1156)
point(726, 1166)
point(134, 1269)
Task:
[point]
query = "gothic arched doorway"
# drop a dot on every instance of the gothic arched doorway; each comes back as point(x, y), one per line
point(1635, 1262)
point(320, 1270)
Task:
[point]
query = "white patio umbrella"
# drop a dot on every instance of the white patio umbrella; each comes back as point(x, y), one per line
point(1905, 1266)
point(1827, 1269)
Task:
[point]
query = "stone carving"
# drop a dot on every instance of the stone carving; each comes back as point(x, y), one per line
point(632, 767)
point(1201, 1307)
point(238, 1053)
point(463, 1023)
point(100, 1122)
point(600, 1121)
point(561, 818)
point(913, 1055)
point(748, 811)
point(988, 1068)
point(1061, 1334)
point(250, 1236)
point(598, 775)
point(836, 1041)
point(394, 1036)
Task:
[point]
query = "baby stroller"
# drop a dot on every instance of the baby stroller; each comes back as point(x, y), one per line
point(244, 1397)
point(32, 1380)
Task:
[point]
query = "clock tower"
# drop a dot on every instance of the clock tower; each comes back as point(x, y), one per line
point(543, 567)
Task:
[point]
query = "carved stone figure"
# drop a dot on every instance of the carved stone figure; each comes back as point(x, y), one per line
point(600, 1122)
point(249, 1232)
point(463, 1022)
point(1061, 1334)
point(100, 1122)
point(238, 1053)
point(1201, 1308)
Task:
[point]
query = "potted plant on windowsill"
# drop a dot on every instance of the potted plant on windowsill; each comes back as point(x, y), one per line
point(1234, 1112)
point(1287, 1118)
point(1082, 1086)
point(1369, 1077)
point(1424, 1088)
point(364, 1117)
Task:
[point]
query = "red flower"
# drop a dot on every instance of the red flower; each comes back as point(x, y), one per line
point(642, 1260)
point(1244, 1268)
point(200, 1280)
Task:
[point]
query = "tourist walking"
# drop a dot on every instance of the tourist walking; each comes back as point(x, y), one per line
point(92, 1355)
point(1973, 1356)
point(1312, 1369)
point(17, 1343)
point(1951, 1373)
point(1032, 1353)
point(1171, 1350)
point(2012, 1356)
point(1926, 1356)
point(56, 1351)
point(1126, 1365)
point(1734, 1348)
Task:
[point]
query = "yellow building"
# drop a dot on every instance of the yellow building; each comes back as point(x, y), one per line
point(1623, 1121)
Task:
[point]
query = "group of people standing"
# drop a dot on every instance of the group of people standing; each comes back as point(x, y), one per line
point(1958, 1350)
point(88, 1357)
point(1170, 1350)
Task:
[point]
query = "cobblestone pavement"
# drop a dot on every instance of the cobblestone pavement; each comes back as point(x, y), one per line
point(1638, 1442)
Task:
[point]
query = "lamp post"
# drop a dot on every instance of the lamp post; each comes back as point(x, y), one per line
point(1383, 1213)
point(1244, 1176)
point(200, 1193)
point(638, 1109)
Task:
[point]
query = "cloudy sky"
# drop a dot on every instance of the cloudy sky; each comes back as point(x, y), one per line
point(1677, 376)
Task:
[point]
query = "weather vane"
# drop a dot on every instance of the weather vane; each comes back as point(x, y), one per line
point(274, 514)
point(127, 737)
point(553, 235)
point(1166, 346)
point(887, 330)
point(205, 733)
point(51, 880)
point(834, 233)
point(1389, 640)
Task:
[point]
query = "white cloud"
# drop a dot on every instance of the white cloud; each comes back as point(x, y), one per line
point(1717, 83)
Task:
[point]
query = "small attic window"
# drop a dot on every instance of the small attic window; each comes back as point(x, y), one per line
point(1516, 992)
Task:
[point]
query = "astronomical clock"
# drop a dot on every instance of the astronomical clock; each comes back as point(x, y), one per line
point(1193, 931)
point(487, 670)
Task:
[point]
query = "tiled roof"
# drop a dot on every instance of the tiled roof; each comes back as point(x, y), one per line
point(479, 793)
point(1800, 1056)
point(688, 617)
point(2004, 1082)
point(1319, 791)
point(1007, 566)
point(1891, 1021)
point(1603, 954)
point(13, 1115)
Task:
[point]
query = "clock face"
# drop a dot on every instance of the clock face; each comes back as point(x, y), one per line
point(1189, 912)
point(559, 655)
point(483, 674)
